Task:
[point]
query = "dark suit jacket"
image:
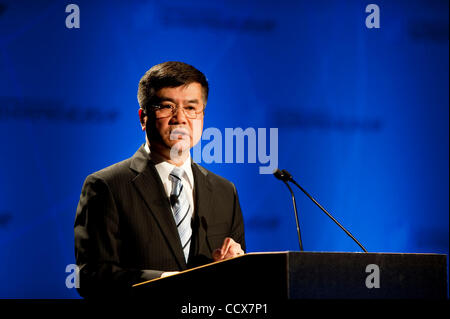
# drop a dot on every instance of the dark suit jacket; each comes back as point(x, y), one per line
point(125, 232)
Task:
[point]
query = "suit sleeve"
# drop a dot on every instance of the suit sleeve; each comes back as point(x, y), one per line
point(237, 230)
point(98, 245)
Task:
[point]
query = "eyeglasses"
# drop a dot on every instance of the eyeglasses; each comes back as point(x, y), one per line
point(162, 111)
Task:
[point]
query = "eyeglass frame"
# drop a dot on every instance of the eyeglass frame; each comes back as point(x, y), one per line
point(156, 107)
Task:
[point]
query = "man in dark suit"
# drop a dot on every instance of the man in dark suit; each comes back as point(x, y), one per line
point(157, 212)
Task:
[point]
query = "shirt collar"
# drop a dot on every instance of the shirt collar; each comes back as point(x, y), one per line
point(164, 168)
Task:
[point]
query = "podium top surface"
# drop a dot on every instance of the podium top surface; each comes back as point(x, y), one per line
point(375, 256)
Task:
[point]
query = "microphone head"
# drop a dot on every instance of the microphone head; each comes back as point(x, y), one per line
point(286, 175)
point(279, 174)
point(283, 175)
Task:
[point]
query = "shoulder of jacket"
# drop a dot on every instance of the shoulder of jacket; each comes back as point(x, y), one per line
point(214, 178)
point(115, 171)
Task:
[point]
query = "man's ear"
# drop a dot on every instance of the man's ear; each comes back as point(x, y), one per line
point(142, 119)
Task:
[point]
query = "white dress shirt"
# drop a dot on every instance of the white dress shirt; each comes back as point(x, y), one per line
point(164, 169)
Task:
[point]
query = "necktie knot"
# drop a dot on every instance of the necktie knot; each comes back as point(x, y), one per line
point(177, 173)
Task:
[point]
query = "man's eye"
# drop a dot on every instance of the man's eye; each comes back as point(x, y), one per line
point(189, 108)
point(165, 107)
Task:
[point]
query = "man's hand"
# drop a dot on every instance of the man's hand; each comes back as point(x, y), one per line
point(169, 273)
point(229, 249)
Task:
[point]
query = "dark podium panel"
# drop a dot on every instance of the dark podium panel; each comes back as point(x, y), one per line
point(307, 275)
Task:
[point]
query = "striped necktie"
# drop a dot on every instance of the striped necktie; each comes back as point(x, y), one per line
point(181, 209)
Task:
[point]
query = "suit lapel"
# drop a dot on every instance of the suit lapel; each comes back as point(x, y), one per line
point(149, 186)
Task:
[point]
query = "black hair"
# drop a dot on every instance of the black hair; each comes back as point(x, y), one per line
point(168, 74)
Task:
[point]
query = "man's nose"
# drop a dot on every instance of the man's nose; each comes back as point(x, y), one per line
point(178, 116)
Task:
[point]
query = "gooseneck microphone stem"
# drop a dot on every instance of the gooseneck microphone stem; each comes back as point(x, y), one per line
point(280, 175)
point(286, 177)
point(325, 211)
point(296, 216)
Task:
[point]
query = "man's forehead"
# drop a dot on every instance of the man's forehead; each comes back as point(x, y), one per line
point(193, 87)
point(191, 91)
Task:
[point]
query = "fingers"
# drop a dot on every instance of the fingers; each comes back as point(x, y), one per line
point(234, 251)
point(227, 243)
point(229, 249)
point(169, 273)
point(217, 254)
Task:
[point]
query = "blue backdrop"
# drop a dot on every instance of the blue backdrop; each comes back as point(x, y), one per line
point(362, 117)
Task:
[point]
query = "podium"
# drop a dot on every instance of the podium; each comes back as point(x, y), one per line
point(307, 275)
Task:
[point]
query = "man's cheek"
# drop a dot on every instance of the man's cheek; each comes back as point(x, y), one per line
point(197, 129)
point(159, 131)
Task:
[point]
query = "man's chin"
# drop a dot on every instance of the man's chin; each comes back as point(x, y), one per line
point(179, 150)
point(180, 145)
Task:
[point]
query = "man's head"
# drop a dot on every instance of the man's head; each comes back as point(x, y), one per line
point(172, 98)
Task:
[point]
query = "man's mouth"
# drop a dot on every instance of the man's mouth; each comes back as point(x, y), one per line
point(179, 134)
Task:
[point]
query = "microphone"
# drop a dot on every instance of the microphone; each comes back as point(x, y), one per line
point(288, 177)
point(282, 176)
